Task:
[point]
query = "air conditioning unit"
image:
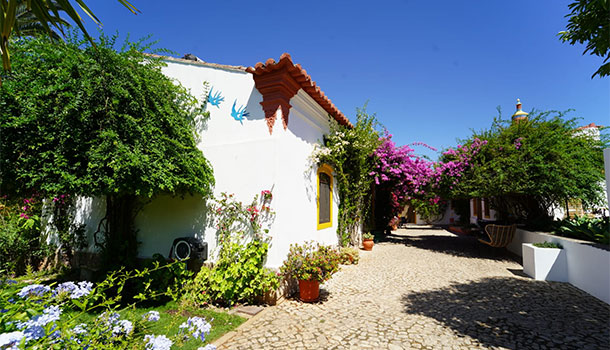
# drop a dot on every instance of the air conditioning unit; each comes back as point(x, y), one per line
point(189, 247)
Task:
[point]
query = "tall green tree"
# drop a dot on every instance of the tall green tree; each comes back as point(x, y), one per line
point(526, 168)
point(47, 14)
point(589, 23)
point(88, 121)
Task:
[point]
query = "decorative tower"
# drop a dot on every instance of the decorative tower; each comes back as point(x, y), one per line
point(519, 114)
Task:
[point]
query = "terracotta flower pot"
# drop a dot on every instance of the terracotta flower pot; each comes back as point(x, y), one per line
point(309, 291)
point(368, 244)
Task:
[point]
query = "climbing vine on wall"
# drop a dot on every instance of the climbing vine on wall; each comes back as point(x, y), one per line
point(349, 151)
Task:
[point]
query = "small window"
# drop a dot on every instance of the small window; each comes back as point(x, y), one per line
point(325, 196)
point(486, 211)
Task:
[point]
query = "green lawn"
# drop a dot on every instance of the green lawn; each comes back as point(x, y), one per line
point(171, 319)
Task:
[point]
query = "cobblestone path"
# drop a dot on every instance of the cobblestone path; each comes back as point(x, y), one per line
point(429, 289)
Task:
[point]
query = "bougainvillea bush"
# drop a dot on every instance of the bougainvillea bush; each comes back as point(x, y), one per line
point(526, 169)
point(400, 175)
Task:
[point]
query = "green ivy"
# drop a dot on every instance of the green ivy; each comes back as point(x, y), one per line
point(348, 151)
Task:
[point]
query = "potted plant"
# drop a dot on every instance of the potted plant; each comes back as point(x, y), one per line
point(367, 241)
point(310, 264)
point(394, 223)
point(545, 261)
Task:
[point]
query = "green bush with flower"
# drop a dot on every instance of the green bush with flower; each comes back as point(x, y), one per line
point(81, 315)
point(239, 273)
point(310, 262)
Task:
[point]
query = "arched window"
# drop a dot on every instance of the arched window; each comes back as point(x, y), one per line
point(325, 197)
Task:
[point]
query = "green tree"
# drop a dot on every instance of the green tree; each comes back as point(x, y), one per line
point(590, 23)
point(47, 15)
point(528, 167)
point(88, 121)
point(349, 152)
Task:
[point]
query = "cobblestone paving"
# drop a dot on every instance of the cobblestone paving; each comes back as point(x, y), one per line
point(429, 289)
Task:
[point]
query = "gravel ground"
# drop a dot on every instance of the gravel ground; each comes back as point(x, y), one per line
point(430, 289)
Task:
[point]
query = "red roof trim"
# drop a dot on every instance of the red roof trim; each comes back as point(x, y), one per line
point(302, 80)
point(592, 125)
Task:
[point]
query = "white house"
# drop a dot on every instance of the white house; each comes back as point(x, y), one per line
point(264, 122)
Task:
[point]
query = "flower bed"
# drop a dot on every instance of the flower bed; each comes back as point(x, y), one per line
point(80, 315)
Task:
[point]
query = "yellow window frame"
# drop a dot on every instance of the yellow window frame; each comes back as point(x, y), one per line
point(326, 169)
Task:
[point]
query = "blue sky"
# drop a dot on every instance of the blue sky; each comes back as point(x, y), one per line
point(430, 70)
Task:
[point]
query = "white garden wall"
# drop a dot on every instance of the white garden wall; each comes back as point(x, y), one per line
point(588, 267)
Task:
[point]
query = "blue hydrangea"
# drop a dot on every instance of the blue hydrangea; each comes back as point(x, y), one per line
point(152, 316)
point(208, 347)
point(198, 327)
point(158, 342)
point(10, 341)
point(74, 290)
point(34, 328)
point(33, 290)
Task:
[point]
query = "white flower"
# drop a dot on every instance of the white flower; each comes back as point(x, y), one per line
point(122, 327)
point(33, 290)
point(10, 341)
point(197, 326)
point(152, 316)
point(208, 347)
point(159, 342)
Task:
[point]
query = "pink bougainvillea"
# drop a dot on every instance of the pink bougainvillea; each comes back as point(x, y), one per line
point(403, 176)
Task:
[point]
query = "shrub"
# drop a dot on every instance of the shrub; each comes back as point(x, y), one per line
point(588, 229)
point(349, 256)
point(239, 276)
point(166, 280)
point(367, 236)
point(547, 245)
point(20, 243)
point(308, 262)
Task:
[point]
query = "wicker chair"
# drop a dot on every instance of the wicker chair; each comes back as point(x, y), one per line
point(499, 235)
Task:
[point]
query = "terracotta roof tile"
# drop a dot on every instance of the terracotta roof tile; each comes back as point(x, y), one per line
point(304, 80)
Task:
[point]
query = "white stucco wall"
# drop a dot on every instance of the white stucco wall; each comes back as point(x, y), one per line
point(588, 267)
point(246, 160)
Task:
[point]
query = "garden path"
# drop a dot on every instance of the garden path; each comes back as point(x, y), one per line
point(430, 289)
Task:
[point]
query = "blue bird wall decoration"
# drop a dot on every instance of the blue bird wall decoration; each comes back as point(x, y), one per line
point(215, 98)
point(239, 114)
